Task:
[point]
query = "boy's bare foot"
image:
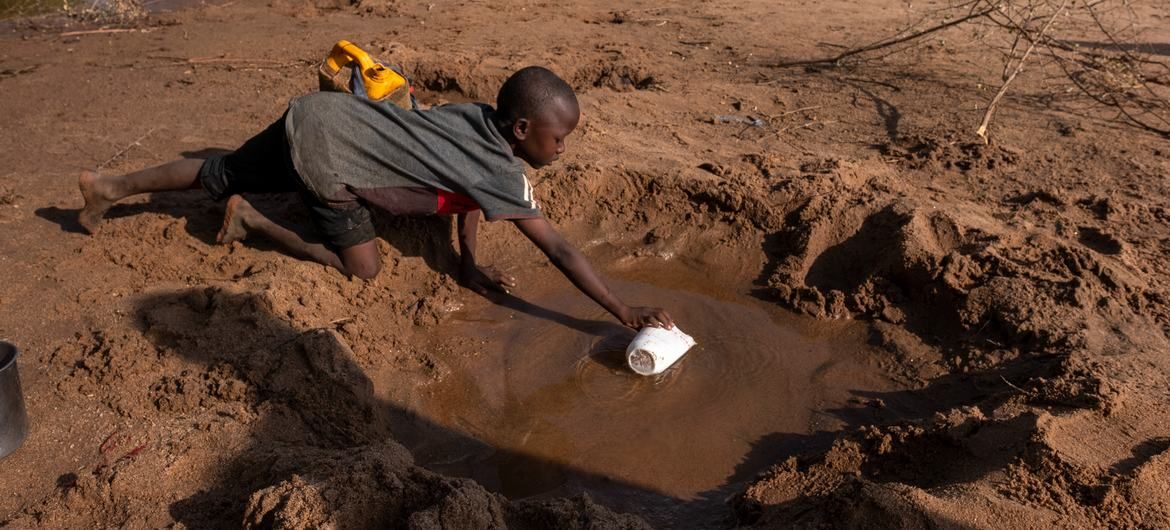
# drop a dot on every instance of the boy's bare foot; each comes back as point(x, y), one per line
point(96, 200)
point(234, 229)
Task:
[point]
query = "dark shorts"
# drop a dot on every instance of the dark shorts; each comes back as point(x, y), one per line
point(264, 165)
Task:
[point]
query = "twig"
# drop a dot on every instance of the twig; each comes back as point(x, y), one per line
point(1009, 383)
point(806, 125)
point(234, 63)
point(228, 62)
point(225, 59)
point(104, 30)
point(1012, 52)
point(982, 130)
point(13, 73)
point(261, 66)
point(802, 109)
point(777, 117)
point(127, 148)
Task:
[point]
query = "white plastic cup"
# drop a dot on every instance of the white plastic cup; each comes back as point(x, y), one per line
point(653, 350)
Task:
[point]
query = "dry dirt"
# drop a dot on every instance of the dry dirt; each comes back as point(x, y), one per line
point(1015, 292)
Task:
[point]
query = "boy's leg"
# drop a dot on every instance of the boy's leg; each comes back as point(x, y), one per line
point(362, 260)
point(260, 165)
point(102, 191)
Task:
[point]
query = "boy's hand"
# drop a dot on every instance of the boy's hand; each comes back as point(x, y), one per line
point(640, 317)
point(484, 279)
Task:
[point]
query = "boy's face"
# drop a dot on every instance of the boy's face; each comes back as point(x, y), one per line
point(541, 140)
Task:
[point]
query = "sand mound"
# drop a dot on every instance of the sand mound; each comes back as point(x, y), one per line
point(957, 470)
point(955, 289)
point(377, 487)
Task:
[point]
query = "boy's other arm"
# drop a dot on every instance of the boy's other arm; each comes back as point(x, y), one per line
point(575, 267)
point(471, 275)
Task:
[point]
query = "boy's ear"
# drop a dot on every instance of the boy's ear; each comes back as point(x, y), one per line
point(520, 128)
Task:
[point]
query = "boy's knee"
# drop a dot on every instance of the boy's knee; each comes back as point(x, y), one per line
point(365, 269)
point(362, 260)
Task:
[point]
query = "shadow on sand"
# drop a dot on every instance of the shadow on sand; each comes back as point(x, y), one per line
point(313, 416)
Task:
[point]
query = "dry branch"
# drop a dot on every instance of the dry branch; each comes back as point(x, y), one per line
point(104, 30)
point(127, 148)
point(1131, 82)
point(231, 62)
point(1110, 100)
point(982, 130)
point(805, 125)
point(892, 41)
point(1090, 62)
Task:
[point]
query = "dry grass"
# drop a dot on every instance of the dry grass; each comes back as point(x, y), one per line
point(28, 8)
point(103, 12)
point(106, 12)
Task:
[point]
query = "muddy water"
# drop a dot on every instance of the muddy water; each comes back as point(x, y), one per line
point(543, 384)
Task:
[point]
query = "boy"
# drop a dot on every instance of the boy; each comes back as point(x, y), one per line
point(343, 154)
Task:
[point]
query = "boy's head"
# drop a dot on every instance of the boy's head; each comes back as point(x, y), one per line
point(535, 111)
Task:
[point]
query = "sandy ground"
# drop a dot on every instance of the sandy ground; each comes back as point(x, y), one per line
point(1012, 297)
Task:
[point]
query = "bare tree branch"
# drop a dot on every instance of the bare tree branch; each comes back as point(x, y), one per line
point(982, 130)
point(885, 43)
point(1114, 74)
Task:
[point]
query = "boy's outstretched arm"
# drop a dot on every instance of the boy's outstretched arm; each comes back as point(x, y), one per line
point(574, 265)
point(471, 275)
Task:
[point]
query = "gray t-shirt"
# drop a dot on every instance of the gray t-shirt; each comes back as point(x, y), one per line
point(406, 161)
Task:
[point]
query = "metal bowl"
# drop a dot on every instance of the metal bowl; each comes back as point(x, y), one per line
point(13, 417)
